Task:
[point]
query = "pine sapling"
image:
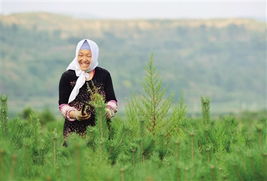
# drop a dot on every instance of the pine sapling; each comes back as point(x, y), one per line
point(177, 150)
point(78, 161)
point(91, 137)
point(208, 152)
point(55, 137)
point(186, 173)
point(178, 173)
point(205, 103)
point(162, 146)
point(13, 166)
point(149, 178)
point(225, 177)
point(122, 174)
point(260, 136)
point(133, 151)
point(3, 114)
point(192, 135)
point(2, 166)
point(142, 137)
point(153, 106)
point(212, 172)
point(264, 159)
point(97, 101)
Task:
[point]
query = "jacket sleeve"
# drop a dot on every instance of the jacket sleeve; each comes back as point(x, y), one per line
point(64, 93)
point(64, 89)
point(108, 88)
point(111, 101)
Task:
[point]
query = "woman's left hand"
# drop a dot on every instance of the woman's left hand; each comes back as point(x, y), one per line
point(78, 115)
point(109, 113)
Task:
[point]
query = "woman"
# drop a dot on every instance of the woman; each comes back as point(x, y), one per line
point(82, 76)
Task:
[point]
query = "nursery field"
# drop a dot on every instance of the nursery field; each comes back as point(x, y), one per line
point(155, 140)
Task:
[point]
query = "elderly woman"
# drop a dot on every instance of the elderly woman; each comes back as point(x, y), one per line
point(81, 76)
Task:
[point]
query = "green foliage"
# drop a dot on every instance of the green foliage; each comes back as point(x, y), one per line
point(45, 115)
point(3, 112)
point(153, 108)
point(205, 103)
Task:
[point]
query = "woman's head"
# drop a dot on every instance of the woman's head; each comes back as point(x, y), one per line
point(85, 60)
point(85, 56)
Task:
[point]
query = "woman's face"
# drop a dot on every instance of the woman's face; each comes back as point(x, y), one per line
point(84, 59)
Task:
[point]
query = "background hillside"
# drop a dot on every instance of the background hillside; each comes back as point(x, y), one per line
point(224, 59)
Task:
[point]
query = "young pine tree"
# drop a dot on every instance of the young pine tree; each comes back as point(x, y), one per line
point(153, 107)
point(3, 114)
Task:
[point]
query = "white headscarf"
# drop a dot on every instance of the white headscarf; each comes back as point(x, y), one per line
point(82, 75)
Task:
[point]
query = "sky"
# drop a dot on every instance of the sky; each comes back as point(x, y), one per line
point(145, 9)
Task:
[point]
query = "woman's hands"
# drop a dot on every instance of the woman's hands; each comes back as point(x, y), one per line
point(83, 115)
point(110, 113)
point(75, 114)
point(111, 109)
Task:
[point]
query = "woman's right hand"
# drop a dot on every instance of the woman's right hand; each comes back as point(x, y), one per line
point(79, 116)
